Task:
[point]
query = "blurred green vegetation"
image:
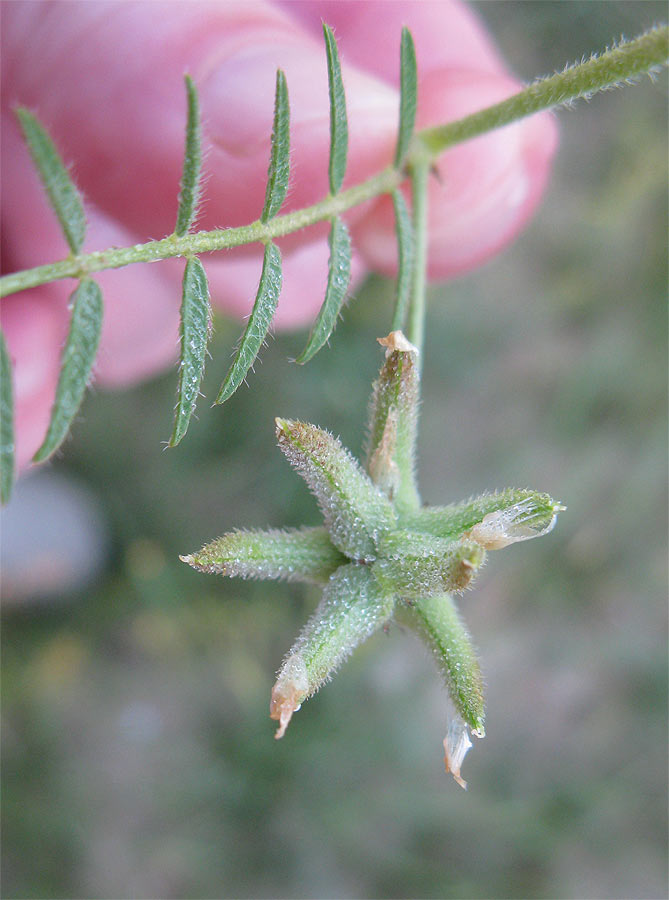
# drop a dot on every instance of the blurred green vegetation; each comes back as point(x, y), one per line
point(139, 758)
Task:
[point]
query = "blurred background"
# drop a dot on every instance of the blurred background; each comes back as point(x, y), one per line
point(139, 758)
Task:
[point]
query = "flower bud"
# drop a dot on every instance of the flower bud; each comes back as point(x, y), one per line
point(504, 517)
point(294, 554)
point(393, 423)
point(352, 607)
point(417, 565)
point(355, 510)
point(521, 522)
point(436, 621)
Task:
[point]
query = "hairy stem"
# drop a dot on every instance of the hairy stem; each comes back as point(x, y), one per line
point(204, 241)
point(416, 327)
point(617, 65)
point(645, 53)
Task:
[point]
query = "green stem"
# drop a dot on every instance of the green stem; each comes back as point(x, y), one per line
point(420, 175)
point(626, 61)
point(645, 53)
point(204, 241)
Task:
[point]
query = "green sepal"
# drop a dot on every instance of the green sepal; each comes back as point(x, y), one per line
point(494, 520)
point(258, 324)
point(6, 423)
point(292, 554)
point(339, 275)
point(437, 622)
point(189, 194)
point(421, 565)
point(278, 174)
point(355, 511)
point(352, 607)
point(61, 190)
point(76, 364)
point(338, 120)
point(393, 421)
point(195, 328)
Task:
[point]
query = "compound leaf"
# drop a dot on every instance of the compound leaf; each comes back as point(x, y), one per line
point(279, 163)
point(192, 171)
point(258, 323)
point(77, 362)
point(195, 330)
point(338, 120)
point(61, 190)
point(339, 275)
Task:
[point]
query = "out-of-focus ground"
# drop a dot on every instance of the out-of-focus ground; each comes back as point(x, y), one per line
point(139, 758)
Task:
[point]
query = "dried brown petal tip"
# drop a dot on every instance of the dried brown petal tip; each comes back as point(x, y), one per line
point(456, 745)
point(396, 341)
point(291, 688)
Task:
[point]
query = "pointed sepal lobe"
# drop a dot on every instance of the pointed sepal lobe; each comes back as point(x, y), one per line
point(353, 606)
point(355, 511)
point(292, 554)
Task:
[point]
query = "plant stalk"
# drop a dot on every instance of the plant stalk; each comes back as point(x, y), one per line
point(630, 60)
point(420, 176)
point(644, 54)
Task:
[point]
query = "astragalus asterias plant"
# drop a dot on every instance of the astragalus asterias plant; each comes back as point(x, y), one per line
point(380, 553)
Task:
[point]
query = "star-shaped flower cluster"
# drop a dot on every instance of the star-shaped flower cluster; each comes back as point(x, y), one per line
point(380, 554)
